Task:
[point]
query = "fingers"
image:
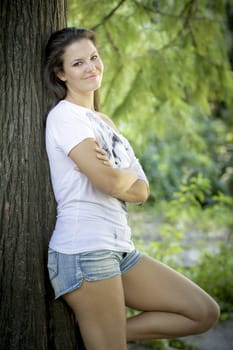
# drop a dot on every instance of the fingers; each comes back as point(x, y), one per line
point(101, 151)
point(97, 144)
point(101, 154)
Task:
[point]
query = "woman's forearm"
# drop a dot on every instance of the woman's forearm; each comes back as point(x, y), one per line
point(127, 184)
point(137, 193)
point(122, 181)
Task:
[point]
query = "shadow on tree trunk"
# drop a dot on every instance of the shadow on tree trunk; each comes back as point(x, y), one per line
point(64, 331)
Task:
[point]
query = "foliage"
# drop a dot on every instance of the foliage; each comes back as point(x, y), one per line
point(170, 223)
point(168, 48)
point(175, 218)
point(168, 84)
point(214, 274)
point(164, 344)
point(205, 147)
point(156, 344)
point(183, 214)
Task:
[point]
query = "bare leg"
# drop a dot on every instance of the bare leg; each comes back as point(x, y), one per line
point(172, 305)
point(99, 308)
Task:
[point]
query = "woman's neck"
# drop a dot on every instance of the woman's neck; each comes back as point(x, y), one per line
point(86, 101)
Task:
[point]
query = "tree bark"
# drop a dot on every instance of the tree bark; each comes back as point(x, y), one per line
point(29, 318)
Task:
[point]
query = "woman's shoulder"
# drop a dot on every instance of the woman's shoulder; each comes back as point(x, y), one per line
point(108, 121)
point(64, 109)
point(57, 109)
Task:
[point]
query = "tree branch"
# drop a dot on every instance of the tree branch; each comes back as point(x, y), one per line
point(112, 83)
point(110, 39)
point(109, 15)
point(185, 14)
point(178, 16)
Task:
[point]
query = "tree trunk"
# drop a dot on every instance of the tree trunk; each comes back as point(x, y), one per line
point(29, 318)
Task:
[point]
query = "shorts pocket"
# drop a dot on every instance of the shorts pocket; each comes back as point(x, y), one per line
point(52, 264)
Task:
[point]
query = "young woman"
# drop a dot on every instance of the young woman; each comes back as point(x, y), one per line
point(92, 262)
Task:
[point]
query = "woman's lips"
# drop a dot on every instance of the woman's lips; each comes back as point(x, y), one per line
point(91, 77)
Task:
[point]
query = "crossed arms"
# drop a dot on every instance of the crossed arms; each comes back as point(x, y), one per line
point(122, 184)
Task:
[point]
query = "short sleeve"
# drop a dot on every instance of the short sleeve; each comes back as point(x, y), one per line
point(68, 128)
point(134, 163)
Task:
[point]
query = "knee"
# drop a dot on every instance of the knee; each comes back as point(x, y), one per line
point(208, 316)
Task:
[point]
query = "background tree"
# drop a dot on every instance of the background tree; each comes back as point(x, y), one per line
point(29, 320)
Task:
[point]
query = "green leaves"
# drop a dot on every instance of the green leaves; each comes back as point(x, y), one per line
point(178, 47)
point(166, 73)
point(194, 192)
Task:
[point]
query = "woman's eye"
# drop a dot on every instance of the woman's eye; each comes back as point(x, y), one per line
point(79, 63)
point(94, 57)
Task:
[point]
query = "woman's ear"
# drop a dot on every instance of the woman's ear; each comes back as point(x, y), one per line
point(60, 75)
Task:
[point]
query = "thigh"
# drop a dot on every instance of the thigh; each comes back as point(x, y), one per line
point(153, 286)
point(99, 308)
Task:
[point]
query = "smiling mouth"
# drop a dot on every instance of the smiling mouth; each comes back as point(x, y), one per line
point(91, 77)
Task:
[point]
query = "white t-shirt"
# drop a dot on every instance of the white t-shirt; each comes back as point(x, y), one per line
point(87, 218)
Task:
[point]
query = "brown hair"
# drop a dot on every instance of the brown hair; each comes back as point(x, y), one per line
point(54, 51)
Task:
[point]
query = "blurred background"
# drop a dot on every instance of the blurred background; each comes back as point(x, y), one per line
point(168, 87)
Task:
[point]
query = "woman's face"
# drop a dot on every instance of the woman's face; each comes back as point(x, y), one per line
point(82, 67)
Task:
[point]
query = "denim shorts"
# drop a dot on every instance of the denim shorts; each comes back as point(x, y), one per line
point(67, 271)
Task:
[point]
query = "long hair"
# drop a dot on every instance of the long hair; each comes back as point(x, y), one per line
point(54, 52)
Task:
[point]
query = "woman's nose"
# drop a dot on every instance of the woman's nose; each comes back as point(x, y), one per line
point(90, 66)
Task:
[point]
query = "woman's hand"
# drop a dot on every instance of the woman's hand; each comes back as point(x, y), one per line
point(101, 154)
